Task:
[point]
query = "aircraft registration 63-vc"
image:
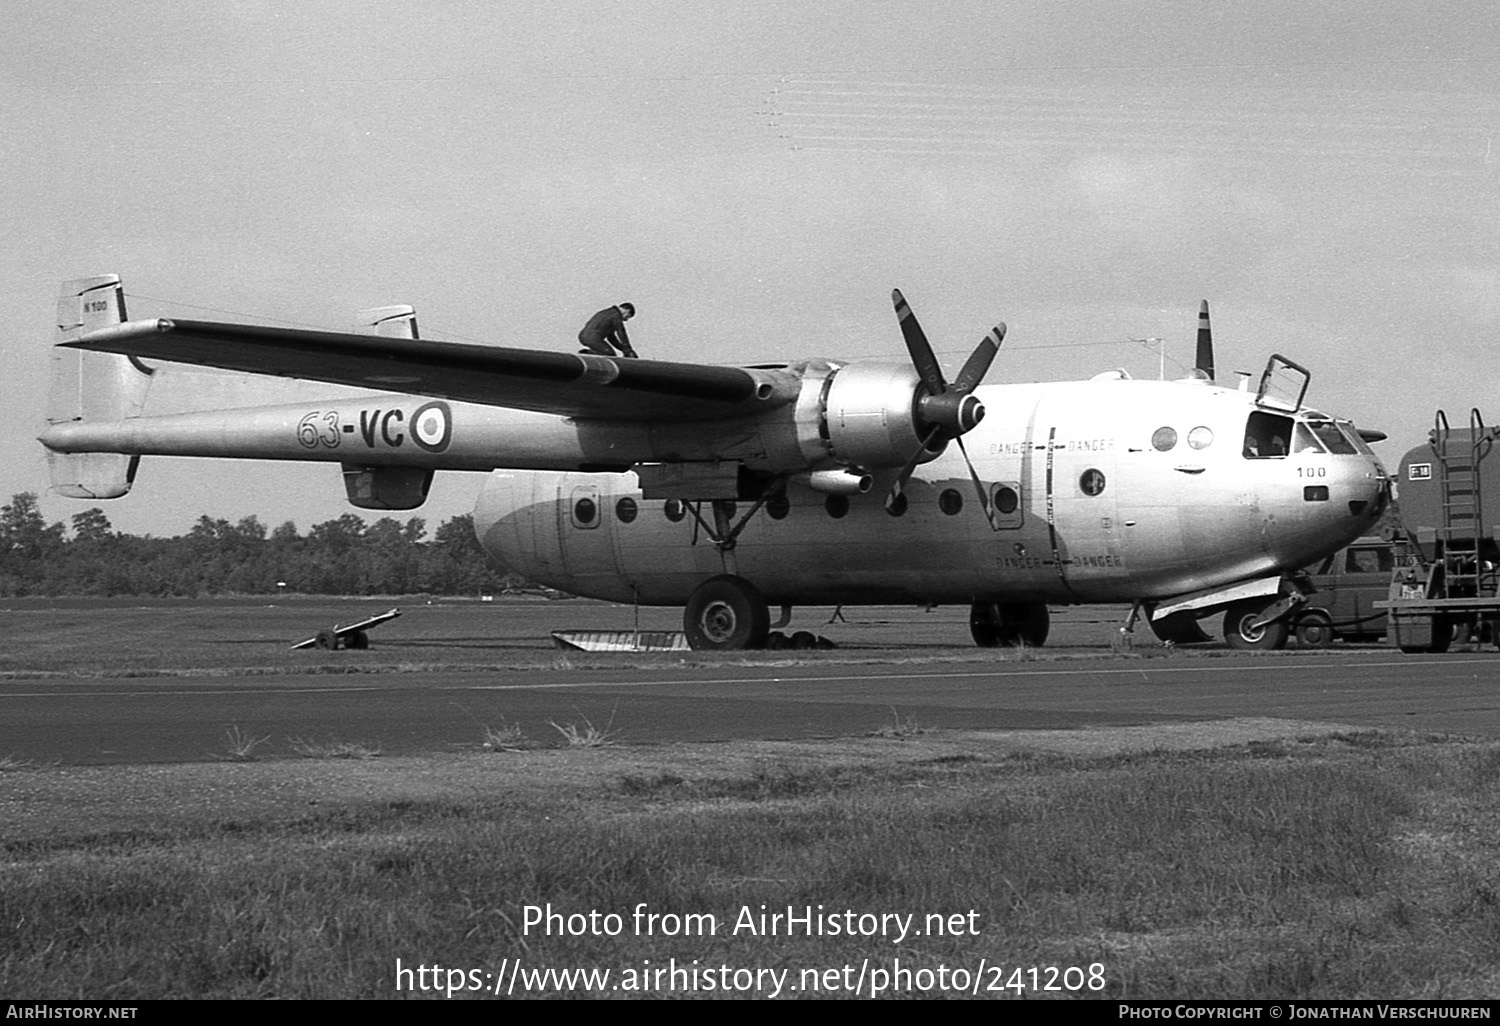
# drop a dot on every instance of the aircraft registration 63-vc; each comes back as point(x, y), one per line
point(733, 490)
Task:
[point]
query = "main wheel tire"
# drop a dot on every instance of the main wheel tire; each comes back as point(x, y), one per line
point(1009, 624)
point(1180, 629)
point(726, 613)
point(358, 641)
point(1315, 629)
point(1240, 633)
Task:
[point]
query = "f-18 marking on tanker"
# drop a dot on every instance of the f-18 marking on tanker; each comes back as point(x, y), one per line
point(431, 428)
point(730, 490)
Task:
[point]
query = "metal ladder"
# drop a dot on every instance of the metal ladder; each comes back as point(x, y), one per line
point(1462, 502)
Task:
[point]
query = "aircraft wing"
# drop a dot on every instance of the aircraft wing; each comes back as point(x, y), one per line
point(568, 384)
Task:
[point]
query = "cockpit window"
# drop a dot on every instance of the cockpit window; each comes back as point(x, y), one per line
point(1352, 433)
point(1266, 436)
point(1332, 438)
point(1303, 440)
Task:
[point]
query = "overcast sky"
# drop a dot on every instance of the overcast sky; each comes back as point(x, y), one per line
point(756, 178)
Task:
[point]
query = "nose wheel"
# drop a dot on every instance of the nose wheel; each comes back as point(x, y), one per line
point(1245, 626)
point(726, 613)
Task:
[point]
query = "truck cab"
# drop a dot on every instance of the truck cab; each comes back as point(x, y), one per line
point(1348, 584)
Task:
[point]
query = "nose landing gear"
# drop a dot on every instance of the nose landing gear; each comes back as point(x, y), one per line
point(1246, 626)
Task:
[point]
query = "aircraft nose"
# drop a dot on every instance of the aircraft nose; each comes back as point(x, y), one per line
point(1379, 493)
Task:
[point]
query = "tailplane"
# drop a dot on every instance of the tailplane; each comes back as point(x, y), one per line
point(89, 386)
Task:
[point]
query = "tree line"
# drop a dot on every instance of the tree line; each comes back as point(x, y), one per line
point(344, 556)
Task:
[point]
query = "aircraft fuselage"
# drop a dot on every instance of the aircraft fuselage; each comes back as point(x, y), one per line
point(1104, 491)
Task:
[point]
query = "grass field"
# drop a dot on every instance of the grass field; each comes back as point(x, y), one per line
point(1245, 860)
point(1361, 865)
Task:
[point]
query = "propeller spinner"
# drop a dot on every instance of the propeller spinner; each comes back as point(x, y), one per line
point(944, 412)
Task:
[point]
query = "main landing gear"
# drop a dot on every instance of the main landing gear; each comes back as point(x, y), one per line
point(1009, 624)
point(726, 612)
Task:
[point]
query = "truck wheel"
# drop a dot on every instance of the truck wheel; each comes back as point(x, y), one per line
point(1443, 632)
point(359, 641)
point(1240, 633)
point(328, 640)
point(725, 613)
point(1315, 629)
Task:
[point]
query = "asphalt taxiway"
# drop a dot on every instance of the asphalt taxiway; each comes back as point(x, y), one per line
point(184, 718)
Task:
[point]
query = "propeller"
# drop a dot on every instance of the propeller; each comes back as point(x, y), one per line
point(1205, 356)
point(944, 411)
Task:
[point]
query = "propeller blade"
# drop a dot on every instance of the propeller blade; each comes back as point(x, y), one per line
point(1205, 357)
point(911, 465)
point(979, 361)
point(984, 500)
point(916, 344)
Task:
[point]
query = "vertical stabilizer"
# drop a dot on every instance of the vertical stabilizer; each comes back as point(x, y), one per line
point(93, 387)
point(1204, 359)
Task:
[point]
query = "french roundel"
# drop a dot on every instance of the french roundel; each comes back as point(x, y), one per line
point(432, 426)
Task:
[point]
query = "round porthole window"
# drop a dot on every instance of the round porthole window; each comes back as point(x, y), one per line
point(1006, 499)
point(675, 510)
point(1200, 437)
point(1164, 439)
point(951, 502)
point(626, 509)
point(778, 506)
point(1091, 481)
point(584, 511)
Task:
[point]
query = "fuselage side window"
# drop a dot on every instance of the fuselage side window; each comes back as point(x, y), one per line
point(1005, 497)
point(1266, 435)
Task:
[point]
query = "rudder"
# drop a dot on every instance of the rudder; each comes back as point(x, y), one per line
point(88, 386)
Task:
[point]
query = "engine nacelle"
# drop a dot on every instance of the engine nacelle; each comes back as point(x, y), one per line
point(387, 487)
point(869, 417)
